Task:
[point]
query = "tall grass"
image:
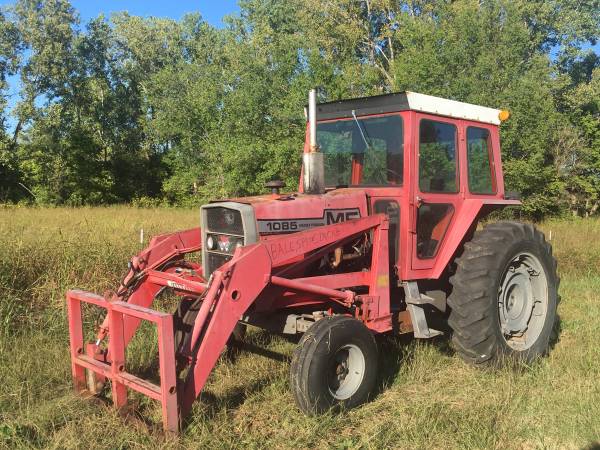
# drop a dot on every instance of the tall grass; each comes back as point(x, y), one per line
point(427, 397)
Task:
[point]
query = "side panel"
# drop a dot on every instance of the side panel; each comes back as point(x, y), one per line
point(298, 213)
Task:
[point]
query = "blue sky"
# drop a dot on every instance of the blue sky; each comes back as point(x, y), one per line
point(211, 10)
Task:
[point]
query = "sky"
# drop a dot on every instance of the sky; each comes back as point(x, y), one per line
point(211, 10)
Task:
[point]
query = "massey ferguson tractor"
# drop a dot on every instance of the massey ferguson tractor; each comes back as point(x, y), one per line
point(382, 236)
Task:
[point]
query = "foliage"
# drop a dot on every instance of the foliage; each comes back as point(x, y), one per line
point(130, 107)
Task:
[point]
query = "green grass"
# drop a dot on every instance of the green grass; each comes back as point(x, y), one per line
point(428, 397)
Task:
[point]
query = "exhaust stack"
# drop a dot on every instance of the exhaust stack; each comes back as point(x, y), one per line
point(314, 169)
point(312, 120)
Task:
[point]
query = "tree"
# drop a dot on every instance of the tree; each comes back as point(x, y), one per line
point(578, 149)
point(129, 107)
point(9, 53)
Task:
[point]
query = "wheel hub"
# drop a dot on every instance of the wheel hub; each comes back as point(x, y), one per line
point(522, 301)
point(347, 372)
point(518, 301)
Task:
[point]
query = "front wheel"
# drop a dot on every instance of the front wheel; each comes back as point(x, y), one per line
point(504, 297)
point(334, 365)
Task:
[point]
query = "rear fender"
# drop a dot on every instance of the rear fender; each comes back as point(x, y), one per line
point(466, 217)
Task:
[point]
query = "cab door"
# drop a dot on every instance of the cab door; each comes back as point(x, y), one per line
point(437, 189)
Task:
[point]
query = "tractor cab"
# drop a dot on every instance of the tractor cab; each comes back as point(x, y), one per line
point(364, 142)
point(424, 161)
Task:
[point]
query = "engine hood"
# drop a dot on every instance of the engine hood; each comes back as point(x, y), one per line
point(288, 213)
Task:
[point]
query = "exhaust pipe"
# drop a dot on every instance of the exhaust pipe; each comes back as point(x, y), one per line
point(314, 168)
point(312, 120)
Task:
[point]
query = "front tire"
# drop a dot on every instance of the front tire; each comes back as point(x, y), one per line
point(334, 365)
point(504, 298)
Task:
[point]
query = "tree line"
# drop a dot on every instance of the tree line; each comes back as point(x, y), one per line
point(146, 110)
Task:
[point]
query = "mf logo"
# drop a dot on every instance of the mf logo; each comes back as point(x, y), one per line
point(340, 215)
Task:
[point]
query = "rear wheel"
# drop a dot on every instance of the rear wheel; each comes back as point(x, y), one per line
point(504, 295)
point(334, 365)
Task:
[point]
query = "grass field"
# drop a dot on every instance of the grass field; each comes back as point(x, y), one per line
point(428, 398)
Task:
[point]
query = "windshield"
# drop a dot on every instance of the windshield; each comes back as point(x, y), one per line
point(367, 151)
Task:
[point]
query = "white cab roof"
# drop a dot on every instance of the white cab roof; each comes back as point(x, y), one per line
point(451, 108)
point(403, 101)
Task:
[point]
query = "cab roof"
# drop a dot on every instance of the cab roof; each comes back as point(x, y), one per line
point(404, 101)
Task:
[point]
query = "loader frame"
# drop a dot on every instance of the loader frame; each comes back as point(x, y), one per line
point(228, 294)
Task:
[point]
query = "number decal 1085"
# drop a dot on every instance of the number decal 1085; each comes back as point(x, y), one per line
point(282, 226)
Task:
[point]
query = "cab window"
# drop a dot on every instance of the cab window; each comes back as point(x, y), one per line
point(369, 150)
point(437, 157)
point(432, 223)
point(481, 176)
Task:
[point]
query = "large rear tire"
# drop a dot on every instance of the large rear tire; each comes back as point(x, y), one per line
point(334, 365)
point(505, 294)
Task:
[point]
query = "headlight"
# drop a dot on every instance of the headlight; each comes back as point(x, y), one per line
point(223, 243)
point(211, 242)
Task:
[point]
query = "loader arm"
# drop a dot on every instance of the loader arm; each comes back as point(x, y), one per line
point(230, 291)
point(144, 280)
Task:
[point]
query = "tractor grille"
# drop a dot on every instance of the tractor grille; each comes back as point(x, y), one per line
point(224, 220)
point(225, 227)
point(216, 260)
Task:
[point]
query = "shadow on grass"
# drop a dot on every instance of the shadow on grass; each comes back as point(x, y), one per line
point(137, 413)
point(556, 332)
point(213, 405)
point(592, 446)
point(396, 351)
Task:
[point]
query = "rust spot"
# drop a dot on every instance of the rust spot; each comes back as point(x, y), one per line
point(383, 281)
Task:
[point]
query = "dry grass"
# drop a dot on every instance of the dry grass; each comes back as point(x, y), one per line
point(428, 397)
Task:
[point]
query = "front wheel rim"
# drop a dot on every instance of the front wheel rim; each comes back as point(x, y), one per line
point(346, 372)
point(523, 301)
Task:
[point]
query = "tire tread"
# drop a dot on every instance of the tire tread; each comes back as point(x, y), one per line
point(477, 269)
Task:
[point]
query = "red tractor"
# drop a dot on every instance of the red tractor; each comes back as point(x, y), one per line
point(381, 237)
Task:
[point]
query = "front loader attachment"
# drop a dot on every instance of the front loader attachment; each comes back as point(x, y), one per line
point(231, 290)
